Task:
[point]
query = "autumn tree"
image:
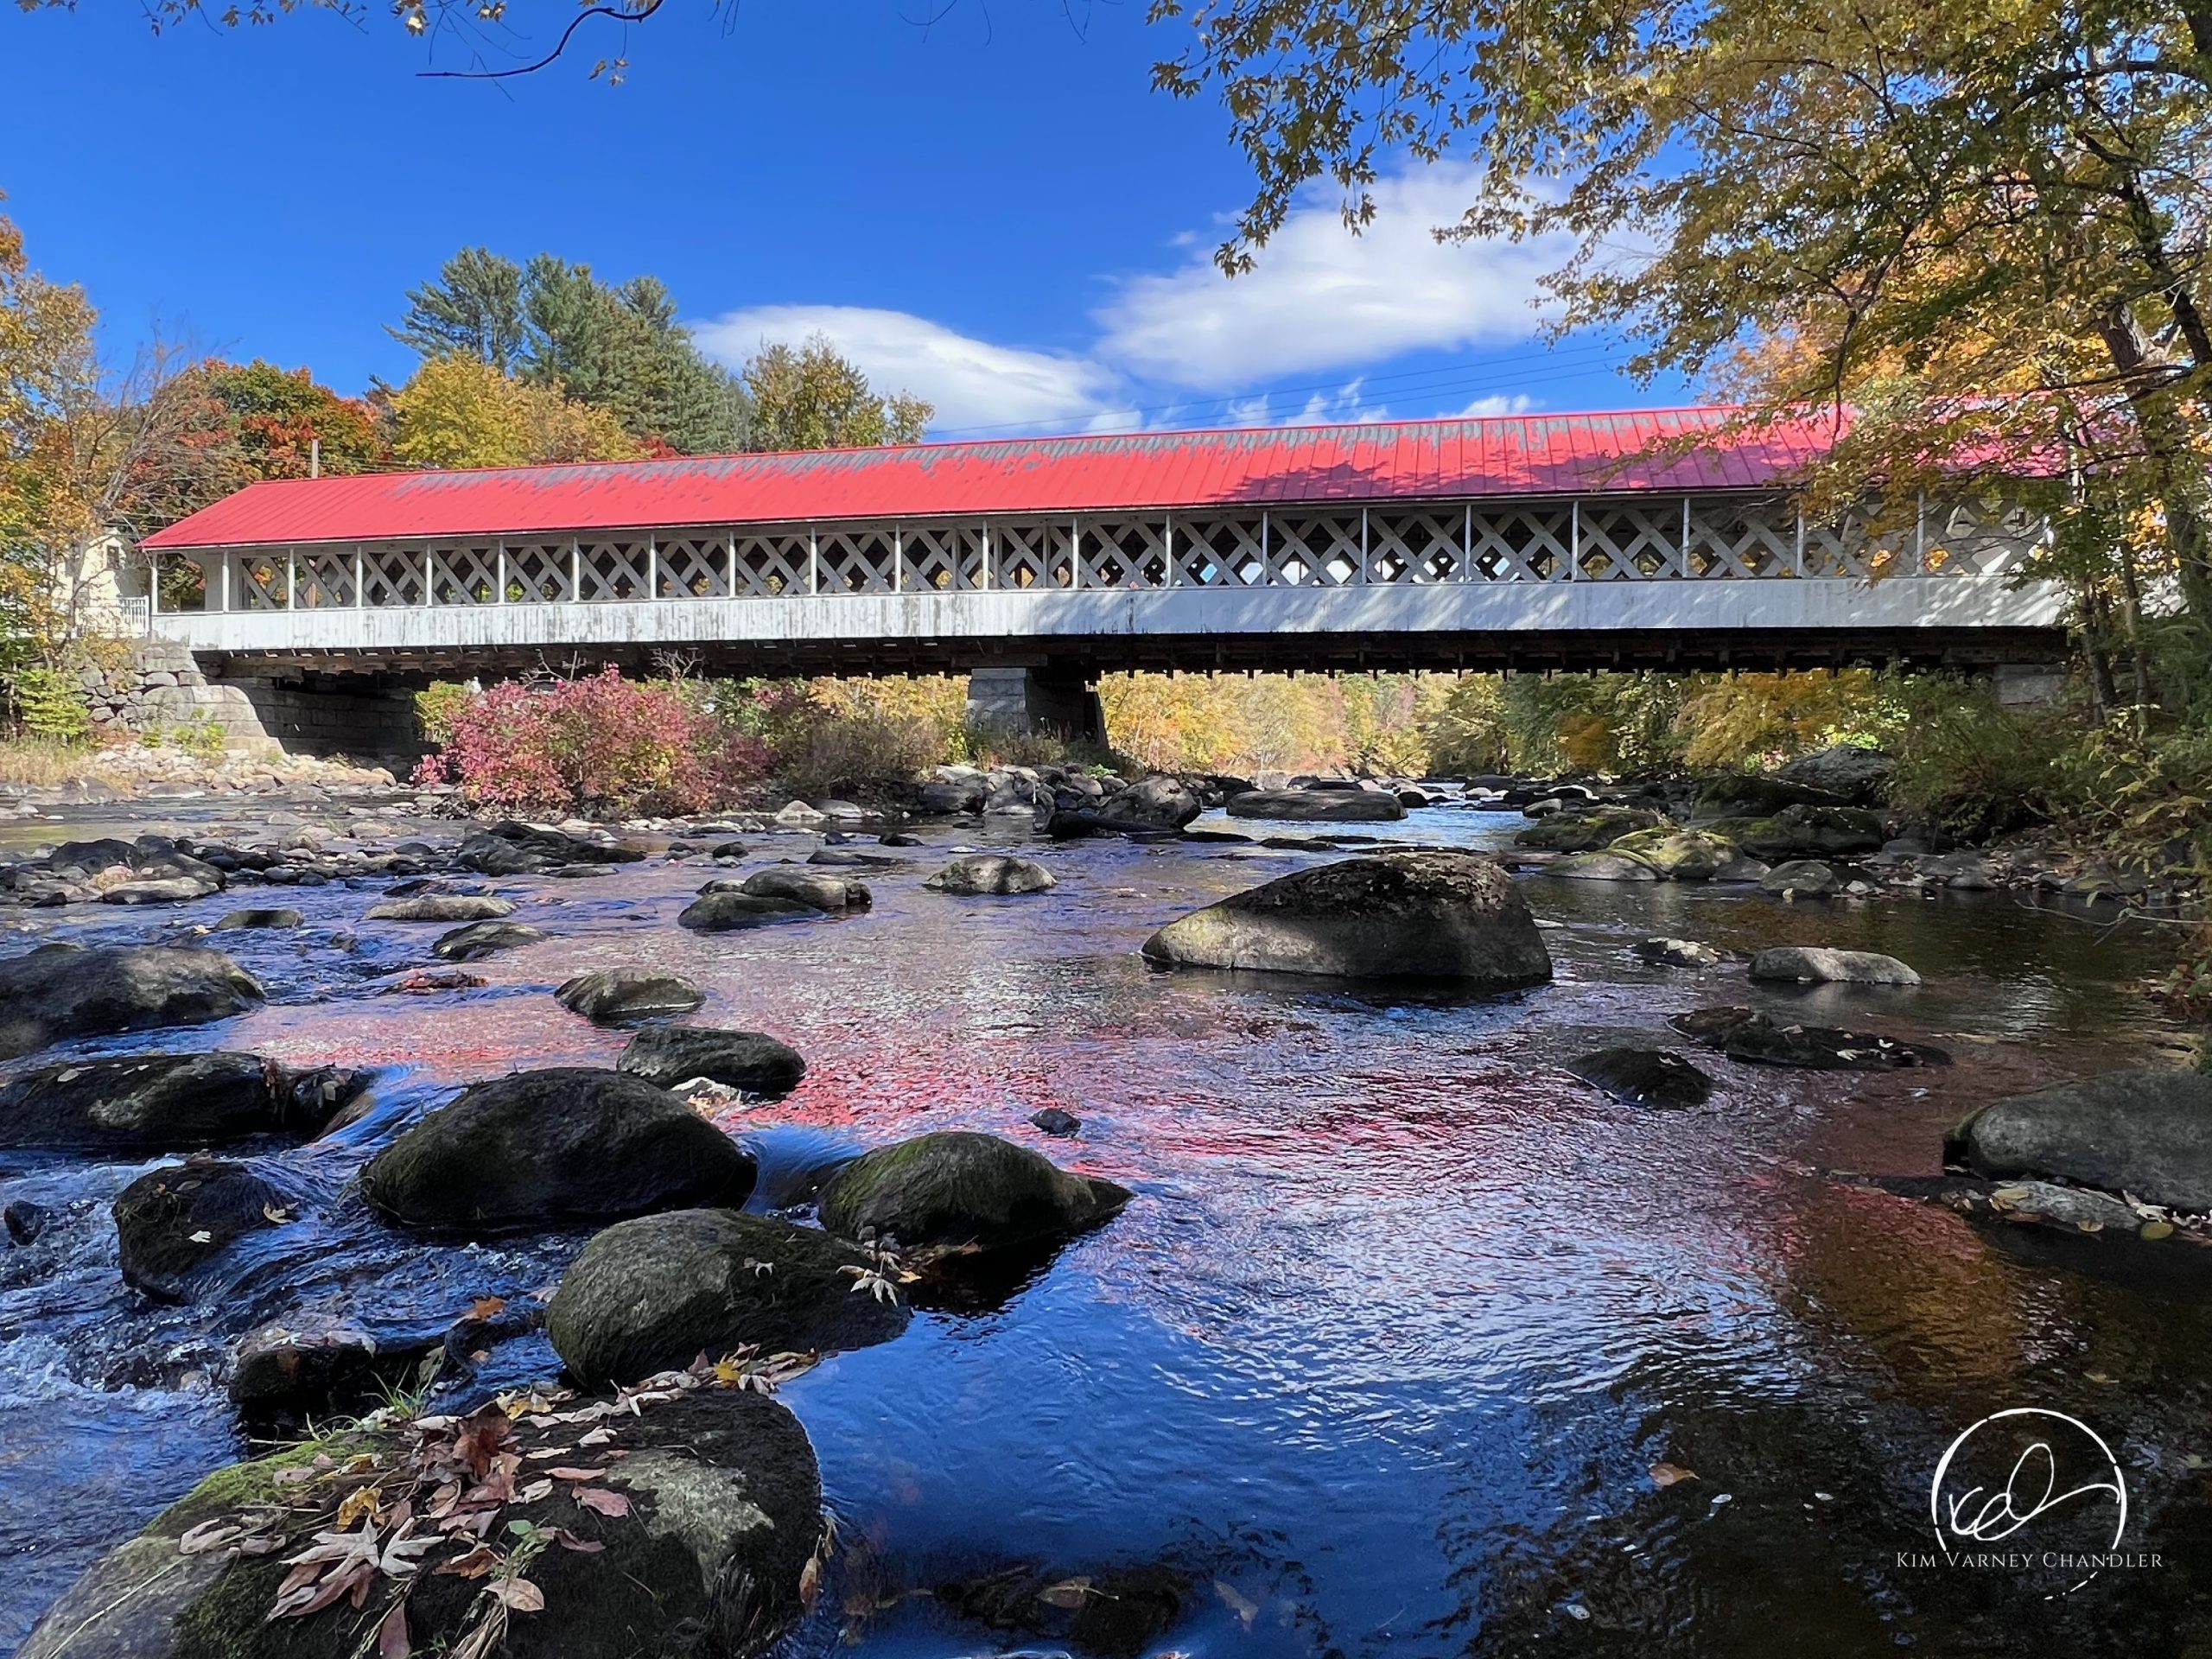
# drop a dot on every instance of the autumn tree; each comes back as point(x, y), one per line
point(459, 412)
point(1986, 227)
point(810, 398)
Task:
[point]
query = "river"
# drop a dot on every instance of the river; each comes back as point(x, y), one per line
point(1400, 1317)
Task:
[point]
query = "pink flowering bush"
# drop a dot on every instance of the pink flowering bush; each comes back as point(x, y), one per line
point(601, 747)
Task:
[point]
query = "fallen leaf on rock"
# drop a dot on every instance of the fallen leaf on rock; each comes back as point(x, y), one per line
point(576, 1474)
point(606, 1502)
point(393, 1639)
point(275, 1213)
point(359, 1504)
point(1068, 1592)
point(485, 1307)
point(536, 1491)
point(520, 1594)
point(569, 1540)
point(480, 1559)
point(1664, 1475)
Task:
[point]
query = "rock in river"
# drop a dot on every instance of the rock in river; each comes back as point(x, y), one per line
point(50, 996)
point(953, 1189)
point(1429, 915)
point(171, 1222)
point(1644, 1077)
point(169, 1103)
point(695, 1540)
point(1678, 953)
point(477, 940)
point(1743, 1034)
point(1318, 805)
point(835, 893)
point(516, 848)
point(613, 996)
point(554, 1148)
point(1813, 965)
point(982, 873)
point(440, 907)
point(750, 1060)
point(726, 913)
point(2147, 1133)
point(654, 1294)
point(1803, 878)
point(1602, 866)
point(235, 920)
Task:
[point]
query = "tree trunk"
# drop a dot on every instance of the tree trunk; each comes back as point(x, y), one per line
point(2176, 475)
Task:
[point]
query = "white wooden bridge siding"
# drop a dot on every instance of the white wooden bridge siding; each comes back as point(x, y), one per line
point(1592, 563)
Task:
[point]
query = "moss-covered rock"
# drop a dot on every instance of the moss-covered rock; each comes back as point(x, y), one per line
point(1588, 832)
point(1428, 915)
point(654, 1295)
point(1812, 832)
point(169, 1103)
point(954, 1189)
point(1678, 854)
point(558, 1147)
point(684, 1529)
point(50, 996)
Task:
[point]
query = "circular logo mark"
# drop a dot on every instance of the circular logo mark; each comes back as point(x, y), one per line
point(2031, 1492)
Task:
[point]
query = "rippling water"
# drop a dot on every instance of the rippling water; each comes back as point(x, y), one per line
point(1400, 1318)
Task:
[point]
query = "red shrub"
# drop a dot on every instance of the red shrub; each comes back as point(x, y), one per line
point(603, 747)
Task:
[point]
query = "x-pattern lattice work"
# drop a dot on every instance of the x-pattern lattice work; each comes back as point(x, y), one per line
point(1608, 539)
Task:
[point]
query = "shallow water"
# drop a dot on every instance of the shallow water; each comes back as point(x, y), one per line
point(1400, 1317)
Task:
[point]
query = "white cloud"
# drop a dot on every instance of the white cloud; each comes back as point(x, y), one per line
point(1518, 403)
point(1322, 298)
point(972, 382)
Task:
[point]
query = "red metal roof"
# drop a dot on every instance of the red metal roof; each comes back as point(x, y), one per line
point(1501, 456)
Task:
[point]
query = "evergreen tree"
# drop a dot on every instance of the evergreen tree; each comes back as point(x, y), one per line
point(474, 309)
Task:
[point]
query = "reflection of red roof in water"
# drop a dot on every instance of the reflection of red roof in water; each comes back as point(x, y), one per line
point(1500, 455)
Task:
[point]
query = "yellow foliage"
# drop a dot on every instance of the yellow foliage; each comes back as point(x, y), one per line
point(460, 411)
point(1742, 717)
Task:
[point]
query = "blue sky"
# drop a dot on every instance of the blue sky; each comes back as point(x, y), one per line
point(992, 209)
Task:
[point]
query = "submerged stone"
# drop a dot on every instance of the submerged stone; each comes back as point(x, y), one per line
point(1644, 1077)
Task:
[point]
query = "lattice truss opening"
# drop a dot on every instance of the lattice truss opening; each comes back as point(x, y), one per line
point(1611, 539)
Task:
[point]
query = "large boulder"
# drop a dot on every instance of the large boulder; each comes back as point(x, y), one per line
point(1813, 832)
point(991, 873)
point(2146, 1133)
point(169, 1103)
point(834, 894)
point(690, 1525)
point(237, 920)
point(171, 1222)
point(516, 848)
point(1760, 1039)
point(1816, 966)
point(956, 1191)
point(50, 996)
point(1426, 915)
point(1157, 805)
point(728, 912)
point(750, 1060)
point(654, 1294)
point(615, 996)
point(1856, 776)
point(1678, 854)
point(1318, 805)
point(566, 1145)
